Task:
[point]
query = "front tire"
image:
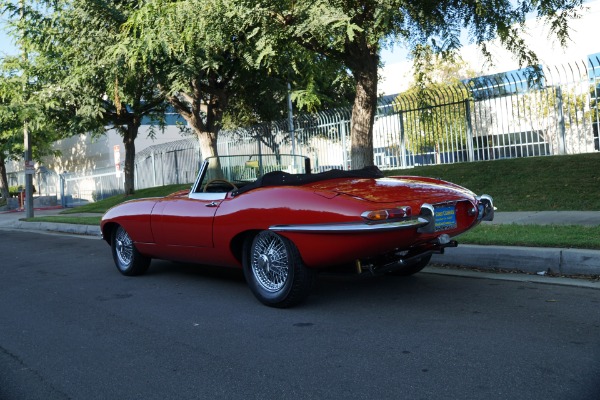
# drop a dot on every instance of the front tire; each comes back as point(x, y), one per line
point(128, 260)
point(275, 272)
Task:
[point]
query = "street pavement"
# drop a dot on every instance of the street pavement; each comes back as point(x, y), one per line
point(541, 261)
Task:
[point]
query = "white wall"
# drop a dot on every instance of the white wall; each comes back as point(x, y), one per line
point(84, 153)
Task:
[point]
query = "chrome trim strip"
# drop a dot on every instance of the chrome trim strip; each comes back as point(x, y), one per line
point(349, 227)
point(207, 196)
point(196, 187)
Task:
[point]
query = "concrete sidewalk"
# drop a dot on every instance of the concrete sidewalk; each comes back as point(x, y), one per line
point(526, 259)
point(12, 220)
point(587, 218)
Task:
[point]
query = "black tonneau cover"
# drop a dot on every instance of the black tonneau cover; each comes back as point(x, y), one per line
point(280, 178)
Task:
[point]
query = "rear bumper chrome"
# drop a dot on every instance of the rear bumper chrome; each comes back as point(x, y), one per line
point(349, 227)
point(484, 209)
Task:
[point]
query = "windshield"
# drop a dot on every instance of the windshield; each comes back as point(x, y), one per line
point(225, 173)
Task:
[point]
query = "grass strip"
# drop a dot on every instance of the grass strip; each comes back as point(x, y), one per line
point(78, 220)
point(561, 236)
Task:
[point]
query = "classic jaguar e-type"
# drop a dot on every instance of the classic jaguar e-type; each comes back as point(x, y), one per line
point(282, 227)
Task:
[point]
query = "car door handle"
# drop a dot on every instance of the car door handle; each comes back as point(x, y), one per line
point(212, 204)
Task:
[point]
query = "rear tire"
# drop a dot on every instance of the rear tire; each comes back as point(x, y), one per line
point(275, 272)
point(128, 260)
point(413, 267)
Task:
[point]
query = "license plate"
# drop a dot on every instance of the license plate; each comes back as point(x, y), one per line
point(445, 218)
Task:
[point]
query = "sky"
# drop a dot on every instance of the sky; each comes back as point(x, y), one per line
point(6, 43)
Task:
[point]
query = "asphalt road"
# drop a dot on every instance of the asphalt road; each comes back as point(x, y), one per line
point(71, 327)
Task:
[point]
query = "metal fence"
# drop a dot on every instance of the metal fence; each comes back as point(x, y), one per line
point(507, 115)
point(170, 163)
point(485, 118)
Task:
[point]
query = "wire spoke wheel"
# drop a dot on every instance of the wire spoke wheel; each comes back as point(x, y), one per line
point(270, 262)
point(128, 260)
point(123, 247)
point(274, 270)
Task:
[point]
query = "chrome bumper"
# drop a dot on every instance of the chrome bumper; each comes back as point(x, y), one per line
point(485, 212)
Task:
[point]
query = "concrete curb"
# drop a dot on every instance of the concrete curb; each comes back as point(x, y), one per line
point(527, 259)
point(86, 230)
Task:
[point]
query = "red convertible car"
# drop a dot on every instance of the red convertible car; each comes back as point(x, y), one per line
point(282, 227)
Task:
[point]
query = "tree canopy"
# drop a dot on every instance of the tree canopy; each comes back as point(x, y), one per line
point(216, 70)
point(354, 32)
point(26, 103)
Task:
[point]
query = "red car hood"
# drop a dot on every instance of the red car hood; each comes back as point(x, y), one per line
point(393, 189)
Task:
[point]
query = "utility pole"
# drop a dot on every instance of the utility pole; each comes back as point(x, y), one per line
point(26, 137)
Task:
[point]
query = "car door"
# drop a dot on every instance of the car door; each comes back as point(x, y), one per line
point(184, 221)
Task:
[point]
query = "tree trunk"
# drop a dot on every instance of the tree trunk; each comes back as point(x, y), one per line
point(129, 142)
point(3, 178)
point(208, 148)
point(208, 143)
point(363, 114)
point(207, 131)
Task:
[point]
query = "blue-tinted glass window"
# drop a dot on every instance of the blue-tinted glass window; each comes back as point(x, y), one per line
point(506, 83)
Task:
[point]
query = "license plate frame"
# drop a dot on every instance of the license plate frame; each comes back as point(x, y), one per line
point(445, 218)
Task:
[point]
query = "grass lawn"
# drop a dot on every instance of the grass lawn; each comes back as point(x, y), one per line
point(75, 219)
point(563, 236)
point(526, 184)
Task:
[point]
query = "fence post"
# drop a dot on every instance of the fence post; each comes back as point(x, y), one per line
point(561, 122)
point(403, 155)
point(176, 167)
point(102, 189)
point(63, 201)
point(153, 169)
point(470, 151)
point(344, 152)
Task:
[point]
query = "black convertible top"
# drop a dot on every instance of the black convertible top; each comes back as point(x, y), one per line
point(280, 178)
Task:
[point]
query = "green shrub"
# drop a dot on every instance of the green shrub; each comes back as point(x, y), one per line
point(13, 191)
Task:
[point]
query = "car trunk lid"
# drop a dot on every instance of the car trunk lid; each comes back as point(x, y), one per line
point(393, 189)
